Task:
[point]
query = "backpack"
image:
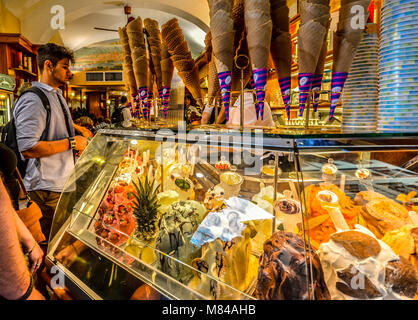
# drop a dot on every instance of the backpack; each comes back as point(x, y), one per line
point(8, 135)
point(117, 115)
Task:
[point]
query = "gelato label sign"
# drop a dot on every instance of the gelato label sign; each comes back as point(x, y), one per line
point(7, 82)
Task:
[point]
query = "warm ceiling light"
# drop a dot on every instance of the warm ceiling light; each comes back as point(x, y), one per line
point(3, 96)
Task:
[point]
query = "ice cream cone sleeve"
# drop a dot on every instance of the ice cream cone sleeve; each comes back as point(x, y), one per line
point(316, 88)
point(305, 83)
point(285, 87)
point(260, 83)
point(310, 39)
point(225, 80)
point(337, 86)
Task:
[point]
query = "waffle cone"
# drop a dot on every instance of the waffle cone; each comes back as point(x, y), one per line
point(238, 15)
point(223, 50)
point(218, 5)
point(127, 58)
point(262, 5)
point(322, 56)
point(310, 39)
point(259, 42)
point(184, 65)
point(281, 53)
point(354, 37)
point(310, 11)
point(164, 52)
point(191, 81)
point(135, 33)
point(280, 18)
point(178, 57)
point(167, 70)
point(343, 54)
point(221, 22)
point(213, 82)
point(182, 48)
point(171, 24)
point(323, 2)
point(345, 9)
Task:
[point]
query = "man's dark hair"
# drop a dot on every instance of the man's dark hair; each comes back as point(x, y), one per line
point(123, 99)
point(53, 53)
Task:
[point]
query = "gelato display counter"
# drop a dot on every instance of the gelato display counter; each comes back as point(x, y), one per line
point(226, 215)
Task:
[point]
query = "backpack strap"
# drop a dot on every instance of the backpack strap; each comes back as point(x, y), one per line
point(45, 103)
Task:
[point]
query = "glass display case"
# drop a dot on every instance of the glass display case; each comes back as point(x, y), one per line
point(223, 214)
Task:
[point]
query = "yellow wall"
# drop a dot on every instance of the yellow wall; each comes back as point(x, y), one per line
point(9, 23)
point(57, 39)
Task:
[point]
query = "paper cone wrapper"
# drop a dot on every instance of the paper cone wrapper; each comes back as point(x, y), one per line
point(260, 82)
point(225, 80)
point(343, 54)
point(316, 88)
point(221, 22)
point(337, 86)
point(310, 11)
point(280, 18)
point(281, 53)
point(310, 39)
point(305, 83)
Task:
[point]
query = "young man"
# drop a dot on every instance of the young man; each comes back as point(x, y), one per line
point(50, 154)
point(122, 115)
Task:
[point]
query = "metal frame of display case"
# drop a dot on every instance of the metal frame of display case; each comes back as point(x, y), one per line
point(296, 144)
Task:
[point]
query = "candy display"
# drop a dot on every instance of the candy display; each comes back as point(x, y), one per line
point(283, 267)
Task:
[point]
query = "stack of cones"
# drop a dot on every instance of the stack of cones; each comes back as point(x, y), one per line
point(128, 70)
point(346, 40)
point(139, 58)
point(213, 81)
point(240, 47)
point(281, 48)
point(222, 31)
point(150, 88)
point(312, 33)
point(182, 58)
point(259, 30)
point(167, 70)
point(154, 42)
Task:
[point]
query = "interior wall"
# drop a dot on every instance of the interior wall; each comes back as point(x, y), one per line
point(9, 23)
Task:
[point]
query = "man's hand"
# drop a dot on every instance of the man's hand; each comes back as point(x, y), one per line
point(35, 258)
point(81, 143)
point(86, 133)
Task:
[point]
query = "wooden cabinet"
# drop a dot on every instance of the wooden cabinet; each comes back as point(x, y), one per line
point(18, 58)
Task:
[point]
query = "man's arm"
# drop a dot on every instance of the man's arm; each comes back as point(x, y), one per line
point(14, 274)
point(49, 148)
point(86, 133)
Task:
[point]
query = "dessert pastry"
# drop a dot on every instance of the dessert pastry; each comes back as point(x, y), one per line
point(229, 262)
point(404, 241)
point(214, 198)
point(231, 183)
point(329, 168)
point(359, 266)
point(362, 173)
point(283, 272)
point(319, 221)
point(380, 213)
point(176, 227)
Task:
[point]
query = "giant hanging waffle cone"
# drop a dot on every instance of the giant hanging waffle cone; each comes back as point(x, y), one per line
point(311, 11)
point(135, 33)
point(213, 82)
point(167, 69)
point(127, 58)
point(281, 52)
point(310, 39)
point(317, 81)
point(223, 51)
point(259, 41)
point(218, 5)
point(191, 81)
point(138, 51)
point(280, 18)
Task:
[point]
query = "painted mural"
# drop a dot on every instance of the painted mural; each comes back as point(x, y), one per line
point(101, 56)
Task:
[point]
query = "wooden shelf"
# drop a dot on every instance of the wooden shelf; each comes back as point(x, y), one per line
point(24, 71)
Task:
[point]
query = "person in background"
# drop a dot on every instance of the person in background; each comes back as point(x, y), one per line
point(101, 124)
point(122, 114)
point(16, 281)
point(51, 155)
point(193, 113)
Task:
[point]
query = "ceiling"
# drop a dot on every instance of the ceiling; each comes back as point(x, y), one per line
point(82, 16)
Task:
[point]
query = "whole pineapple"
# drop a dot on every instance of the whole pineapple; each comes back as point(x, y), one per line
point(146, 209)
